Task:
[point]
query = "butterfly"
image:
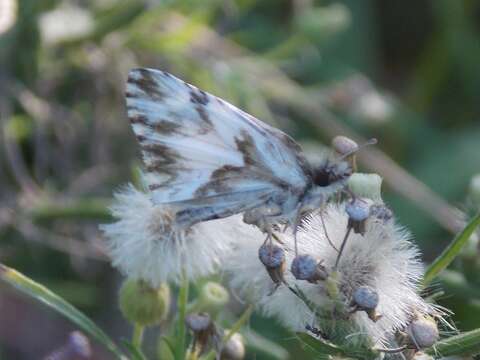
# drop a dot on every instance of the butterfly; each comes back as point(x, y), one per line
point(207, 159)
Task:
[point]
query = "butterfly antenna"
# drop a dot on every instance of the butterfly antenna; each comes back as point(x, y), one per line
point(372, 141)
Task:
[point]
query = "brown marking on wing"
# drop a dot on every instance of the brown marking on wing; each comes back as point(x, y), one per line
point(141, 139)
point(218, 181)
point(207, 124)
point(163, 154)
point(198, 96)
point(247, 147)
point(145, 82)
point(200, 99)
point(160, 126)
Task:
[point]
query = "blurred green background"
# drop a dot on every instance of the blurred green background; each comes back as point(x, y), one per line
point(405, 72)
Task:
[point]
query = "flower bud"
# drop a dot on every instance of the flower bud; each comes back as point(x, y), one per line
point(366, 185)
point(77, 347)
point(199, 322)
point(202, 328)
point(273, 257)
point(366, 299)
point(423, 332)
point(358, 211)
point(213, 297)
point(141, 304)
point(306, 267)
point(422, 356)
point(234, 348)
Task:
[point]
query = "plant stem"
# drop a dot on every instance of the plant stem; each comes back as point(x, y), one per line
point(137, 336)
point(182, 312)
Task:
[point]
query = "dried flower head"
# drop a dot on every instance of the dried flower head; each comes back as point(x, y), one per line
point(145, 243)
point(382, 260)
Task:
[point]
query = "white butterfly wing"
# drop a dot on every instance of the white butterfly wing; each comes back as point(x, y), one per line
point(201, 150)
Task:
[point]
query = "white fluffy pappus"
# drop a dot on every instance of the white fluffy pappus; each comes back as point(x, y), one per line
point(145, 244)
point(383, 259)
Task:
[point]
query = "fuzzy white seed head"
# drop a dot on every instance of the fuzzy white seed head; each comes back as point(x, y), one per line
point(146, 244)
point(383, 259)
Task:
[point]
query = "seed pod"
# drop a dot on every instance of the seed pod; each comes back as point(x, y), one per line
point(273, 257)
point(306, 267)
point(423, 332)
point(234, 349)
point(381, 212)
point(358, 211)
point(77, 347)
point(366, 185)
point(202, 328)
point(366, 299)
point(422, 356)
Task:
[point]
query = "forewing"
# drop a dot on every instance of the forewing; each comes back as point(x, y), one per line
point(197, 146)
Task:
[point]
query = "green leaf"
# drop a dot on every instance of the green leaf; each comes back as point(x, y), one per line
point(165, 349)
point(449, 254)
point(44, 295)
point(257, 343)
point(319, 346)
point(466, 344)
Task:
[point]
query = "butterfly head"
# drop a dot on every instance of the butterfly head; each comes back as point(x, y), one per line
point(342, 164)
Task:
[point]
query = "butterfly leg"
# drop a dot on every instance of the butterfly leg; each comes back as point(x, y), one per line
point(261, 216)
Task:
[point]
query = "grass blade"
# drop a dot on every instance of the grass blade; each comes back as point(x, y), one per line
point(257, 343)
point(465, 344)
point(449, 254)
point(46, 296)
